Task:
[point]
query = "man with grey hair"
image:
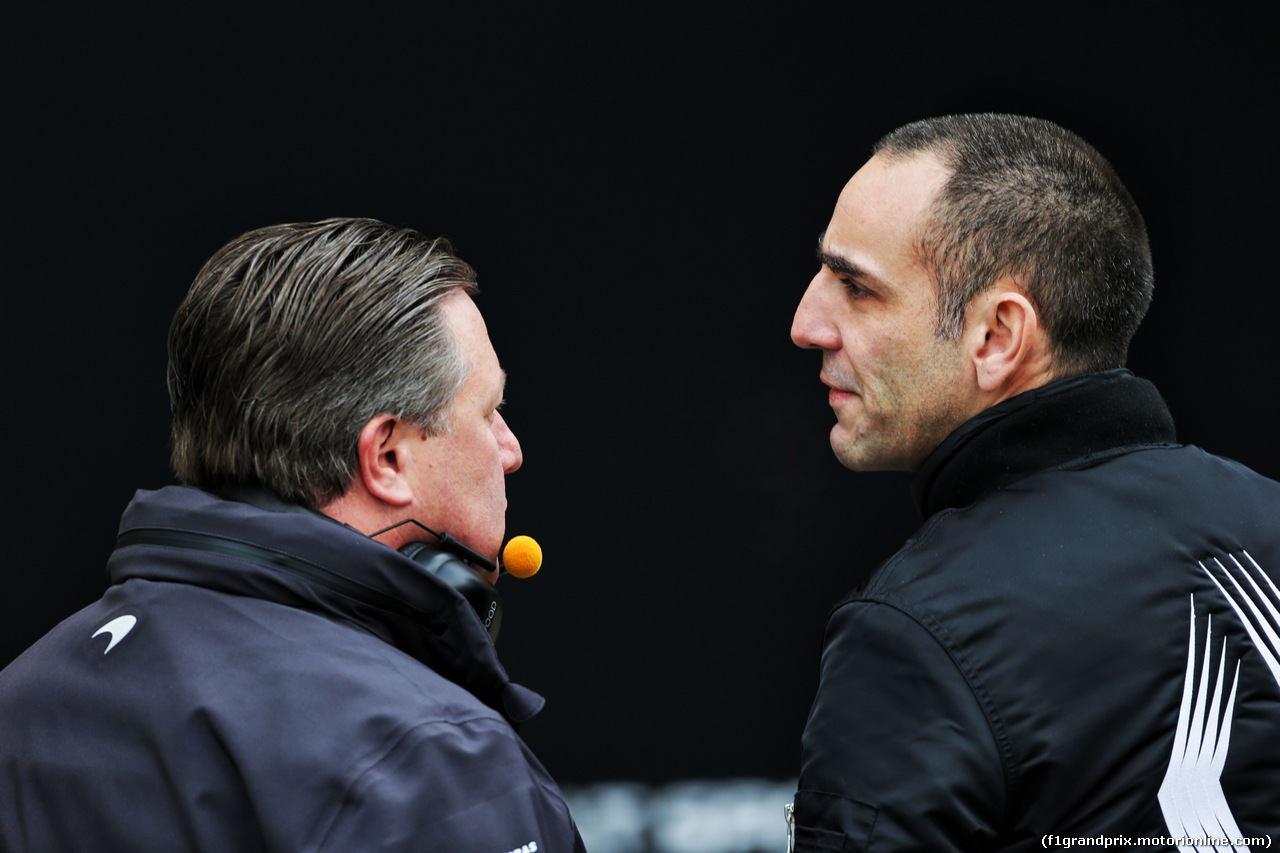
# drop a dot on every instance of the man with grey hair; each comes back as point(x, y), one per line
point(267, 671)
point(1082, 639)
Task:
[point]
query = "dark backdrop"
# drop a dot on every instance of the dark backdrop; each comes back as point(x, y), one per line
point(640, 187)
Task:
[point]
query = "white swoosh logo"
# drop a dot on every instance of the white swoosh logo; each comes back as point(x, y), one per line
point(1191, 796)
point(118, 628)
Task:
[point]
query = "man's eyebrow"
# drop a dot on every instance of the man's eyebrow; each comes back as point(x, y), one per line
point(836, 263)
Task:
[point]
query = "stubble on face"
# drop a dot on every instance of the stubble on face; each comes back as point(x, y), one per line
point(872, 310)
point(903, 412)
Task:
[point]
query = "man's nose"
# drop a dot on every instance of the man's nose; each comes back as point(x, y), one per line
point(812, 328)
point(508, 446)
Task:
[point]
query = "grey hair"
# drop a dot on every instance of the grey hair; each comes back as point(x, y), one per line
point(1031, 200)
point(293, 337)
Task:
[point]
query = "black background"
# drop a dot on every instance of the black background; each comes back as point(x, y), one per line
point(640, 187)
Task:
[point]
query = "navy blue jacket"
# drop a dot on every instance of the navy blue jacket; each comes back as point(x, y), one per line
point(268, 681)
point(1080, 641)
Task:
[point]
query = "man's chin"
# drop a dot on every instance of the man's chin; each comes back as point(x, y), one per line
point(857, 463)
point(847, 449)
point(862, 458)
point(859, 454)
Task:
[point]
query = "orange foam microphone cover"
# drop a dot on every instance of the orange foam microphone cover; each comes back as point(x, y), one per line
point(522, 557)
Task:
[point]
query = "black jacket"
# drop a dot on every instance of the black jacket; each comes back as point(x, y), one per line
point(1043, 657)
point(267, 681)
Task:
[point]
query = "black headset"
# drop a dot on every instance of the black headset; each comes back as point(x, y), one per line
point(449, 560)
point(455, 570)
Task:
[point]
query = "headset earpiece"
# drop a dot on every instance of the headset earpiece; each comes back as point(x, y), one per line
point(479, 593)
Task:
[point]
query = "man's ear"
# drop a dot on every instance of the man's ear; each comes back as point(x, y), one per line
point(383, 454)
point(1006, 341)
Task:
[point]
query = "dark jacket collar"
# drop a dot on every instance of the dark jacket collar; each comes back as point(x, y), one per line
point(300, 558)
point(1066, 420)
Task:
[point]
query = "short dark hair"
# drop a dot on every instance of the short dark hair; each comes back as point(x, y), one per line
point(1032, 200)
point(293, 336)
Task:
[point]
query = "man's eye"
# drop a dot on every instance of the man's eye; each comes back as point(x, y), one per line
point(851, 287)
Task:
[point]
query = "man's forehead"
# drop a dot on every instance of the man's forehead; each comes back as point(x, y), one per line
point(874, 231)
point(901, 186)
point(888, 195)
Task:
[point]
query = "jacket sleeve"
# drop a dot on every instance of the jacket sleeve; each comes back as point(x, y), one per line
point(470, 786)
point(897, 750)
